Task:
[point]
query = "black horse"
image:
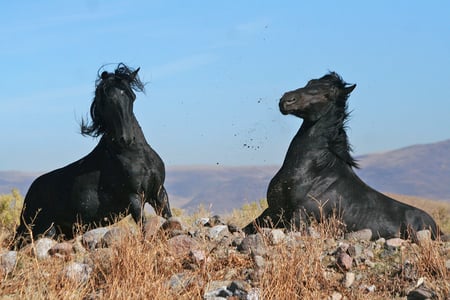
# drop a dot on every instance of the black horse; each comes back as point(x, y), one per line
point(118, 176)
point(317, 175)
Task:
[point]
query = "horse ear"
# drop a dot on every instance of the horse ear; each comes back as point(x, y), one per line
point(104, 75)
point(134, 74)
point(349, 89)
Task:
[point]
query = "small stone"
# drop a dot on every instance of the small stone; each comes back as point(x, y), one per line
point(447, 264)
point(336, 296)
point(115, 236)
point(421, 293)
point(181, 245)
point(63, 249)
point(253, 243)
point(78, 272)
point(218, 232)
point(313, 232)
point(152, 226)
point(42, 246)
point(179, 282)
point(423, 236)
point(8, 261)
point(394, 242)
point(349, 279)
point(201, 221)
point(198, 256)
point(371, 288)
point(91, 239)
point(344, 261)
point(233, 228)
point(276, 236)
point(360, 235)
point(259, 261)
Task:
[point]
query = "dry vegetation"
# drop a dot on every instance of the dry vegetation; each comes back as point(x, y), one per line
point(136, 268)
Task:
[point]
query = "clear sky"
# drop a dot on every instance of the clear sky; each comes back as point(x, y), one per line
point(215, 71)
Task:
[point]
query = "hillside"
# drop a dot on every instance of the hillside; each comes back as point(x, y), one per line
point(419, 170)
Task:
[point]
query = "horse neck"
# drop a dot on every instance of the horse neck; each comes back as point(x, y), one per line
point(135, 130)
point(325, 139)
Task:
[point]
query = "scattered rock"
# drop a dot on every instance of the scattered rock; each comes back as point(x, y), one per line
point(394, 243)
point(92, 238)
point(349, 279)
point(42, 247)
point(276, 236)
point(335, 296)
point(360, 235)
point(78, 272)
point(344, 261)
point(421, 293)
point(181, 245)
point(254, 244)
point(64, 249)
point(217, 232)
point(115, 236)
point(8, 261)
point(423, 236)
point(152, 226)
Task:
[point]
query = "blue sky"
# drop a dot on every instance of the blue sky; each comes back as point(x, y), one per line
point(215, 72)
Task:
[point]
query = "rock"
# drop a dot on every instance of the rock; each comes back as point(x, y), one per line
point(171, 227)
point(233, 228)
point(64, 249)
point(101, 259)
point(152, 226)
point(394, 243)
point(423, 236)
point(181, 245)
point(42, 246)
point(370, 288)
point(349, 279)
point(92, 238)
point(115, 236)
point(276, 236)
point(254, 244)
point(78, 272)
point(179, 282)
point(313, 232)
point(217, 232)
point(447, 264)
point(344, 261)
point(335, 296)
point(360, 235)
point(260, 262)
point(421, 293)
point(201, 221)
point(214, 221)
point(8, 261)
point(197, 256)
point(216, 289)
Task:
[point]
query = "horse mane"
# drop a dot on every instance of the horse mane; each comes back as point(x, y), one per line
point(336, 125)
point(96, 128)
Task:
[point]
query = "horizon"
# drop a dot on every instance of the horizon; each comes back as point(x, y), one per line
point(215, 73)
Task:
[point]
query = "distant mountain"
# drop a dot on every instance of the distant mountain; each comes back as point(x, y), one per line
point(419, 170)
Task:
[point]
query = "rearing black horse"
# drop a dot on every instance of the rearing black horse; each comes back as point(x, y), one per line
point(318, 171)
point(119, 175)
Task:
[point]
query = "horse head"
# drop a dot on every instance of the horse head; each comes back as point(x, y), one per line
point(315, 99)
point(112, 107)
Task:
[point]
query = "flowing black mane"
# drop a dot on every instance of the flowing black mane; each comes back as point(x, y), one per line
point(122, 74)
point(335, 124)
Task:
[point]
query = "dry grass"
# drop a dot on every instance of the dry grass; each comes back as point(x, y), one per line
point(139, 269)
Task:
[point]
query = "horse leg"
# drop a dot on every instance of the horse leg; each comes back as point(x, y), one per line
point(162, 206)
point(137, 209)
point(269, 218)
